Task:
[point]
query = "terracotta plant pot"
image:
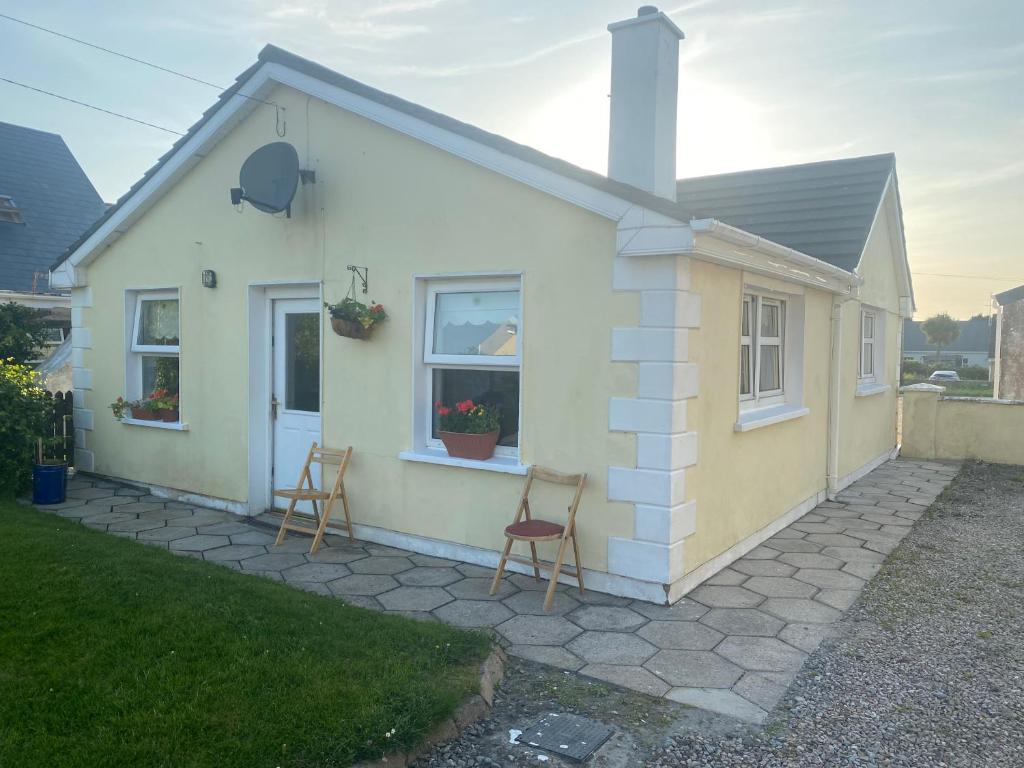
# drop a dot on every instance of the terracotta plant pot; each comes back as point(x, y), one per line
point(462, 445)
point(168, 414)
point(143, 414)
point(350, 329)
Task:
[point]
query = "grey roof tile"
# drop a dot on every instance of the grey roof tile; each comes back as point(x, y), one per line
point(975, 336)
point(821, 209)
point(56, 199)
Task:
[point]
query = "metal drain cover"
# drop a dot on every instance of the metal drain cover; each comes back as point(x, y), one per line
point(571, 736)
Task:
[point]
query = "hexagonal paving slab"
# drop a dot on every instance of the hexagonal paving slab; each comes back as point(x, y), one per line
point(774, 586)
point(612, 648)
point(426, 576)
point(698, 669)
point(200, 543)
point(634, 678)
point(380, 565)
point(810, 560)
point(474, 613)
point(538, 630)
point(276, 561)
point(605, 617)
point(414, 598)
point(316, 572)
point(681, 635)
point(800, 610)
point(170, 533)
point(252, 537)
point(479, 588)
point(553, 655)
point(763, 568)
point(764, 654)
point(686, 609)
point(532, 602)
point(134, 526)
point(727, 597)
point(827, 578)
point(363, 584)
point(336, 555)
point(235, 552)
point(743, 621)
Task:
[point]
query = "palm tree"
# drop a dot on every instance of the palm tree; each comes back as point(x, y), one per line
point(940, 330)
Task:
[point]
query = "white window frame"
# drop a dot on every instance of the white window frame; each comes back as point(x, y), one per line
point(135, 352)
point(431, 360)
point(755, 300)
point(165, 350)
point(868, 347)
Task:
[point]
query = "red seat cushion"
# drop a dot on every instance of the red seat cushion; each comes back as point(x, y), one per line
point(534, 529)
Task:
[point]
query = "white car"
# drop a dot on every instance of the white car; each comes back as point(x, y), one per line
point(944, 376)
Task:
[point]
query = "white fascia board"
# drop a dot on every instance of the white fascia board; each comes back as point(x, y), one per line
point(724, 244)
point(550, 182)
point(238, 106)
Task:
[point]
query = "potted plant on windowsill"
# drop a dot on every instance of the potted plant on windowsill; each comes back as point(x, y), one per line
point(165, 405)
point(159, 406)
point(469, 430)
point(355, 320)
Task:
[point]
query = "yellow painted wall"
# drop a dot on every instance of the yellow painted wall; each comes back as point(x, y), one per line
point(744, 481)
point(867, 425)
point(399, 207)
point(962, 428)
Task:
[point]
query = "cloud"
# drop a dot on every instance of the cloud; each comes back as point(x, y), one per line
point(975, 179)
point(964, 76)
point(913, 30)
point(403, 6)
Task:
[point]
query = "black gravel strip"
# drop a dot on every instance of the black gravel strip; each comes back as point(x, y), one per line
point(927, 668)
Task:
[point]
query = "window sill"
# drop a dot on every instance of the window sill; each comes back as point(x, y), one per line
point(764, 417)
point(867, 390)
point(504, 464)
point(175, 426)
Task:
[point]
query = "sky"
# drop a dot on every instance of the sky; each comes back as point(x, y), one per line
point(762, 83)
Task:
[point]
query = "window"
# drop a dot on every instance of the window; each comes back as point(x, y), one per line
point(867, 345)
point(762, 350)
point(471, 350)
point(9, 210)
point(154, 344)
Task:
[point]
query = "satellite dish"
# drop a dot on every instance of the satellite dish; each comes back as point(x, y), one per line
point(269, 178)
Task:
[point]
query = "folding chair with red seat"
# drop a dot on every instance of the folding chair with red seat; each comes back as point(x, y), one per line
point(526, 528)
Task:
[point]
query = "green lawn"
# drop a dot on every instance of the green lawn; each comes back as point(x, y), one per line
point(117, 654)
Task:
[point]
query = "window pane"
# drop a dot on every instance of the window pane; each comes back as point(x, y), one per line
point(159, 373)
point(769, 319)
point(771, 375)
point(869, 359)
point(494, 388)
point(476, 323)
point(745, 322)
point(745, 385)
point(158, 325)
point(869, 325)
point(302, 361)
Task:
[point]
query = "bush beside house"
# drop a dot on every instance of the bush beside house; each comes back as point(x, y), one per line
point(25, 412)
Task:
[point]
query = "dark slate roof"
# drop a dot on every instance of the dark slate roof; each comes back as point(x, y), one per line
point(56, 199)
point(1010, 296)
point(821, 209)
point(975, 335)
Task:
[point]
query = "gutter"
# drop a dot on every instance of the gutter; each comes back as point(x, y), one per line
point(740, 237)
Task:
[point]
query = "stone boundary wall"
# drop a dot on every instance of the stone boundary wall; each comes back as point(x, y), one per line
point(938, 427)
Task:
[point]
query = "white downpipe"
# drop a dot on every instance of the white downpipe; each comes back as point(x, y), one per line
point(834, 391)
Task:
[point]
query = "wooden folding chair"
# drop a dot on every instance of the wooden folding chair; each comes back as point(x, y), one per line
point(305, 490)
point(533, 531)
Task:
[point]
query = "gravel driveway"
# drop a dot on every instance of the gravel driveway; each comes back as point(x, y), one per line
point(928, 667)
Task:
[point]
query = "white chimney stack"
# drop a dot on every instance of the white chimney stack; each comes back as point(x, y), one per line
point(645, 85)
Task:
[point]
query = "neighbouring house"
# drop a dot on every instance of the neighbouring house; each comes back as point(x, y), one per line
point(46, 202)
point(971, 347)
point(719, 354)
point(1008, 372)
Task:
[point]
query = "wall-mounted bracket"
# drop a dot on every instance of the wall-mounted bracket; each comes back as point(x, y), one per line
point(363, 273)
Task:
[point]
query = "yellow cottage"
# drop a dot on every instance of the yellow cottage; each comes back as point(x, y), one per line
point(719, 354)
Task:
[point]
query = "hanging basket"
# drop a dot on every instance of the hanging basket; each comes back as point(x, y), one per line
point(350, 328)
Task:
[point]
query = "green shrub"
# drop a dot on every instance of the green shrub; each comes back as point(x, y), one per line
point(973, 372)
point(25, 409)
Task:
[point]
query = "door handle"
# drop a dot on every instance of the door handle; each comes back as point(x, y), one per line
point(273, 407)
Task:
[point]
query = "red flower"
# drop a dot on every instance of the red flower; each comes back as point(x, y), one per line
point(443, 410)
point(464, 406)
point(377, 308)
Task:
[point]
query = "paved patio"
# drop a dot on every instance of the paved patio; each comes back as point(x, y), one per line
point(732, 645)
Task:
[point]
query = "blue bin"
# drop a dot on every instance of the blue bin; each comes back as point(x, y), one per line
point(49, 483)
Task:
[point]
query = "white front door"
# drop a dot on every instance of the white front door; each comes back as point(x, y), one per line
point(295, 392)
